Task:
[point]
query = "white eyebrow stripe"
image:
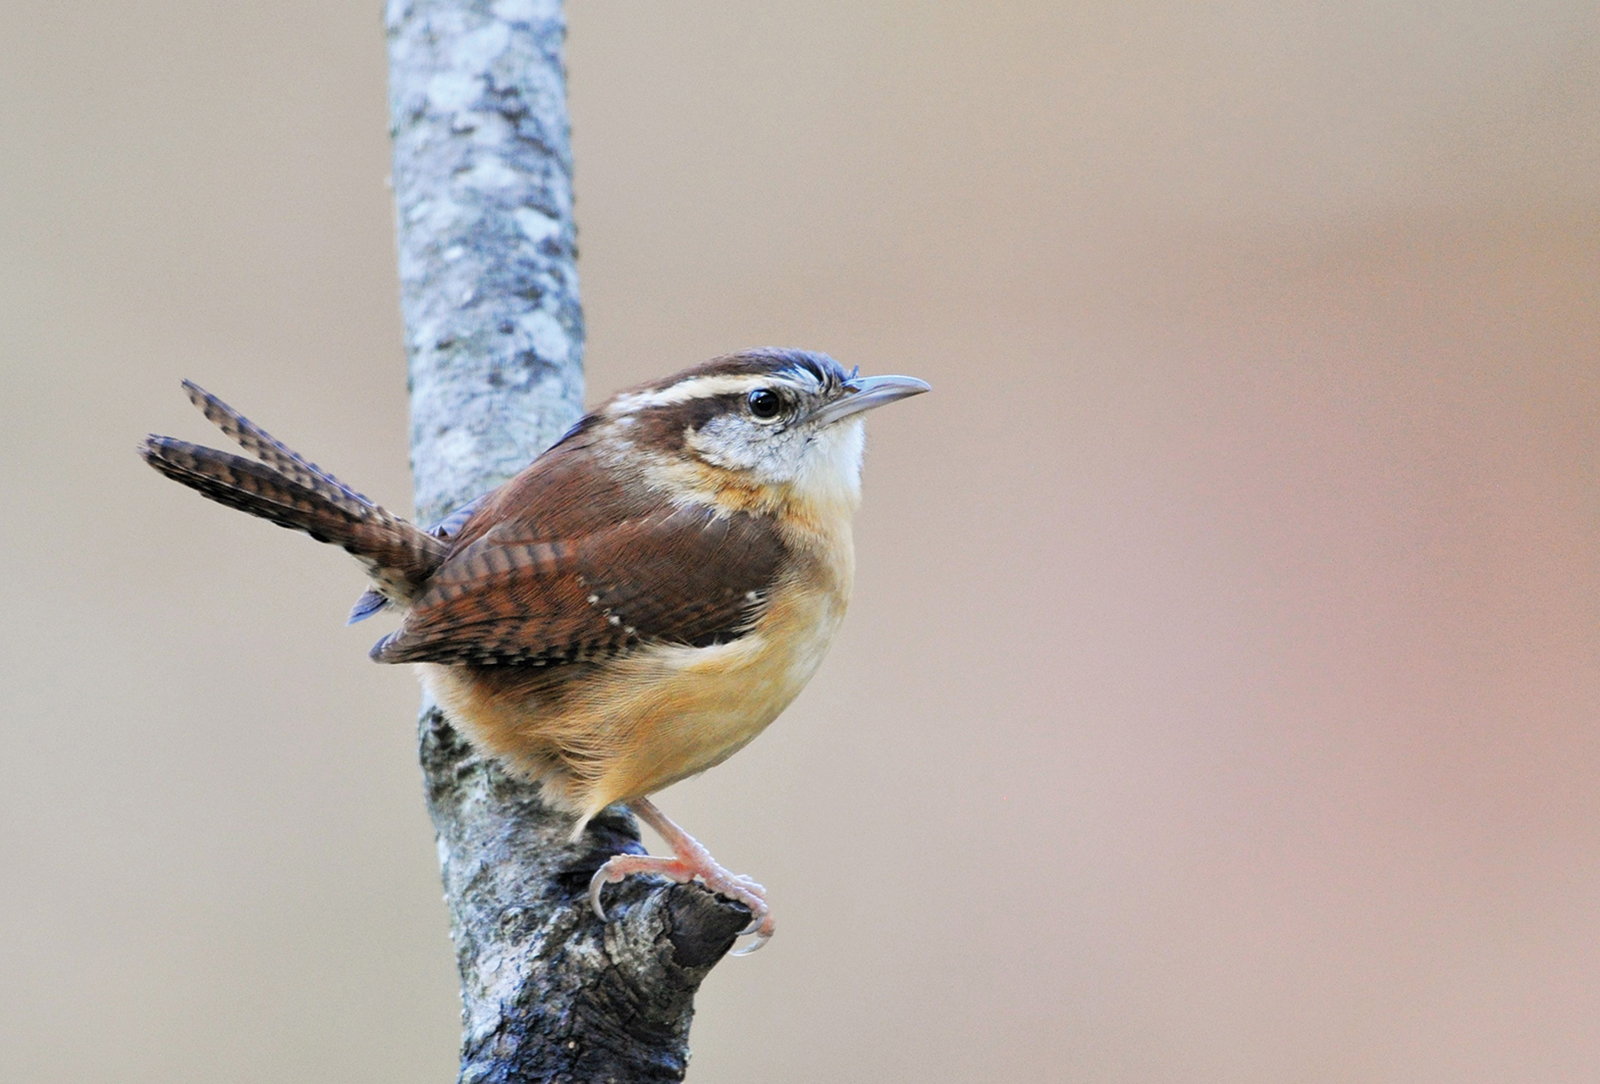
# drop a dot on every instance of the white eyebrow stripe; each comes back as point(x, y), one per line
point(699, 387)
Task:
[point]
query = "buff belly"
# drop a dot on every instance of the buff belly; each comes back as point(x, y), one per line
point(630, 726)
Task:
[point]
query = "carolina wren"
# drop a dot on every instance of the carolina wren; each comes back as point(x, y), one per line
point(636, 605)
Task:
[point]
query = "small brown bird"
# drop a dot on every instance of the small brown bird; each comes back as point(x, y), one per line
point(636, 605)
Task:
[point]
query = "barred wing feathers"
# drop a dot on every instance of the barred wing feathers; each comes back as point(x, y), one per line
point(682, 576)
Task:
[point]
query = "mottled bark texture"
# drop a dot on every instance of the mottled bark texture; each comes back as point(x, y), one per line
point(494, 333)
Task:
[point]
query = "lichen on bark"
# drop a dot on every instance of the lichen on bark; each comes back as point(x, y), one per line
point(494, 342)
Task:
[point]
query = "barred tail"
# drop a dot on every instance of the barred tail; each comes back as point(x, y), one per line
point(292, 492)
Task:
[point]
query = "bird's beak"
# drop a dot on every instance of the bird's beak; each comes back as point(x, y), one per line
point(865, 392)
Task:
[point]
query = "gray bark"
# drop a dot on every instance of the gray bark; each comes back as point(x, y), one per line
point(494, 333)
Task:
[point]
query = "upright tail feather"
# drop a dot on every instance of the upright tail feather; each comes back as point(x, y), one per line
point(292, 492)
point(273, 452)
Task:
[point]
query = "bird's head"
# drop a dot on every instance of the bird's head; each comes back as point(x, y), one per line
point(780, 423)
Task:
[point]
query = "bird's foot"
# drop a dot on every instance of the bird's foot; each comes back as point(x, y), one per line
point(691, 862)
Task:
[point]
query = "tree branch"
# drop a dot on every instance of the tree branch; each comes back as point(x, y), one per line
point(494, 333)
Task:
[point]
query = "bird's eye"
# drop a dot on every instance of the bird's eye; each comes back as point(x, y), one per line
point(765, 403)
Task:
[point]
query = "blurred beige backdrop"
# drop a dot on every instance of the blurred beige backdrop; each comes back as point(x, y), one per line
point(1221, 701)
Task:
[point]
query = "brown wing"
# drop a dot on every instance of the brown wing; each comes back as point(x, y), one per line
point(680, 576)
point(566, 563)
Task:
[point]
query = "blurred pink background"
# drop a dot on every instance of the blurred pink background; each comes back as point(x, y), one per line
point(1221, 699)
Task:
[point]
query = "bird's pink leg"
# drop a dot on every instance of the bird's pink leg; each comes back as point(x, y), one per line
point(689, 861)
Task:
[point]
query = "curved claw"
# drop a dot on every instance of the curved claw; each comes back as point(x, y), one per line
point(761, 925)
point(761, 939)
point(596, 883)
